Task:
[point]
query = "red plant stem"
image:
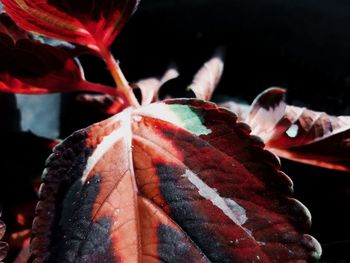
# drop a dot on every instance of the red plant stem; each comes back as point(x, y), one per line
point(122, 84)
point(98, 88)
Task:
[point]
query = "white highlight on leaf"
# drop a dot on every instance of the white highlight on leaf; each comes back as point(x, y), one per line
point(108, 142)
point(166, 112)
point(229, 207)
point(293, 130)
point(161, 111)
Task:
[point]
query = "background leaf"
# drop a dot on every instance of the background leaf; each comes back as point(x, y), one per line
point(31, 67)
point(91, 23)
point(208, 77)
point(174, 180)
point(301, 134)
point(150, 87)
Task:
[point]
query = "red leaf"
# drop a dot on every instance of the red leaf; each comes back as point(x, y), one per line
point(91, 23)
point(28, 66)
point(175, 180)
point(300, 134)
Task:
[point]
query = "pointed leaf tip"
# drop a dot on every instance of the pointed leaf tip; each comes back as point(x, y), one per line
point(269, 98)
point(208, 77)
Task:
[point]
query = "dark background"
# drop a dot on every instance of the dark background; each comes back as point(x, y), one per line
point(301, 45)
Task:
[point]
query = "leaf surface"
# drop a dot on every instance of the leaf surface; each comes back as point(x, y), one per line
point(301, 134)
point(31, 67)
point(173, 180)
point(91, 23)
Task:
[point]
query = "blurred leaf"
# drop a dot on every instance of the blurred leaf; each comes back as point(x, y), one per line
point(31, 67)
point(301, 134)
point(91, 23)
point(297, 133)
point(208, 77)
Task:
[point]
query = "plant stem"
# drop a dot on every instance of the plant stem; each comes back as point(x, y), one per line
point(97, 88)
point(119, 78)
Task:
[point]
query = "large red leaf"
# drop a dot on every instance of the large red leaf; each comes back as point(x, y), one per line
point(89, 22)
point(301, 134)
point(29, 66)
point(176, 180)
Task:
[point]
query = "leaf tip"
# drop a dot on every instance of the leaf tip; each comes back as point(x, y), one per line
point(310, 243)
point(270, 98)
point(208, 77)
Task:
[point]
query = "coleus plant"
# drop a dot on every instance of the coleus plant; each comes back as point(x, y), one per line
point(160, 180)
